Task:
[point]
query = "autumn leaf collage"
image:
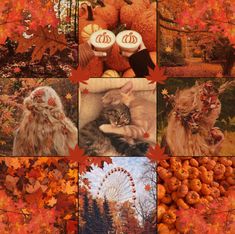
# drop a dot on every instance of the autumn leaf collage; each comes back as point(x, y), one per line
point(117, 117)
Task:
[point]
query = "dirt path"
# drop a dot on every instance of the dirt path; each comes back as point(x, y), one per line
point(196, 68)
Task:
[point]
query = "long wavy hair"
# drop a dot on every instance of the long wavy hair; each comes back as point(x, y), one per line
point(190, 130)
point(44, 129)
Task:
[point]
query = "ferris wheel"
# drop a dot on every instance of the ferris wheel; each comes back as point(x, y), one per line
point(117, 185)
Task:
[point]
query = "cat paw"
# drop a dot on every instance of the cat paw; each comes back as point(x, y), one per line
point(105, 128)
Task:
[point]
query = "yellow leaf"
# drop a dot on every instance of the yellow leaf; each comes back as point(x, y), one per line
point(51, 202)
point(73, 173)
point(68, 216)
point(68, 96)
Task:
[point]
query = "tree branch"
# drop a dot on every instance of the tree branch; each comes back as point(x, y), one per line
point(182, 30)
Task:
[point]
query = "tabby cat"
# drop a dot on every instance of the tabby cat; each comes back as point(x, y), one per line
point(97, 143)
point(143, 114)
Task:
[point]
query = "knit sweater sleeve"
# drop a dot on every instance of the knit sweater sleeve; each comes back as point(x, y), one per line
point(85, 54)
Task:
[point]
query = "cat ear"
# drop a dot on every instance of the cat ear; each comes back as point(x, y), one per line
point(127, 87)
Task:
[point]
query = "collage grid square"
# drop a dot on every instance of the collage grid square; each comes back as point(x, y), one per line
point(117, 116)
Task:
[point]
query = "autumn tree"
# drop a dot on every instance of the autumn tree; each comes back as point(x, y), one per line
point(96, 218)
point(87, 216)
point(107, 216)
point(213, 19)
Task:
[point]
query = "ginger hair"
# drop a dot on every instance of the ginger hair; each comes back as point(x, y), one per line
point(44, 129)
point(179, 134)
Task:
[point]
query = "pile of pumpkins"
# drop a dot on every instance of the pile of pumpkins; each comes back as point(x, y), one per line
point(184, 182)
point(138, 15)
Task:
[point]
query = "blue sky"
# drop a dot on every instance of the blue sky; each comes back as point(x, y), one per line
point(132, 164)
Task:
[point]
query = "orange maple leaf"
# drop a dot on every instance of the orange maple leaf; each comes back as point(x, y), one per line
point(77, 155)
point(43, 38)
point(156, 75)
point(157, 154)
point(147, 187)
point(79, 75)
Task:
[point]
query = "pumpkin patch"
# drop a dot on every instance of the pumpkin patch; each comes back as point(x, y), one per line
point(185, 182)
point(116, 16)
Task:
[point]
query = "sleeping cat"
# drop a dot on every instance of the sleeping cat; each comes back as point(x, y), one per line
point(143, 114)
point(97, 143)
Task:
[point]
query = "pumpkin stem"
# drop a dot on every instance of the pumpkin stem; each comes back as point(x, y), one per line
point(101, 3)
point(129, 2)
point(90, 13)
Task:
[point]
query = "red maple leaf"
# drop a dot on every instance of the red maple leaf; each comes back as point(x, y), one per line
point(147, 187)
point(17, 70)
point(72, 226)
point(79, 75)
point(146, 135)
point(85, 91)
point(156, 75)
point(77, 155)
point(157, 154)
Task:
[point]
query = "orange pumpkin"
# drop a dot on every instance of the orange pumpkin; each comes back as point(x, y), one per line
point(167, 199)
point(193, 162)
point(145, 3)
point(225, 161)
point(169, 217)
point(182, 204)
point(162, 228)
point(89, 18)
point(193, 172)
point(164, 164)
point(207, 177)
point(215, 158)
point(231, 180)
point(210, 164)
point(108, 13)
point(195, 185)
point(214, 184)
point(225, 184)
point(161, 191)
point(116, 3)
point(175, 164)
point(116, 61)
point(164, 173)
point(173, 183)
point(205, 190)
point(219, 169)
point(129, 11)
point(203, 160)
point(182, 190)
point(181, 173)
point(192, 197)
point(145, 24)
point(219, 176)
point(202, 169)
point(174, 196)
point(215, 192)
point(229, 171)
point(185, 164)
point(160, 211)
